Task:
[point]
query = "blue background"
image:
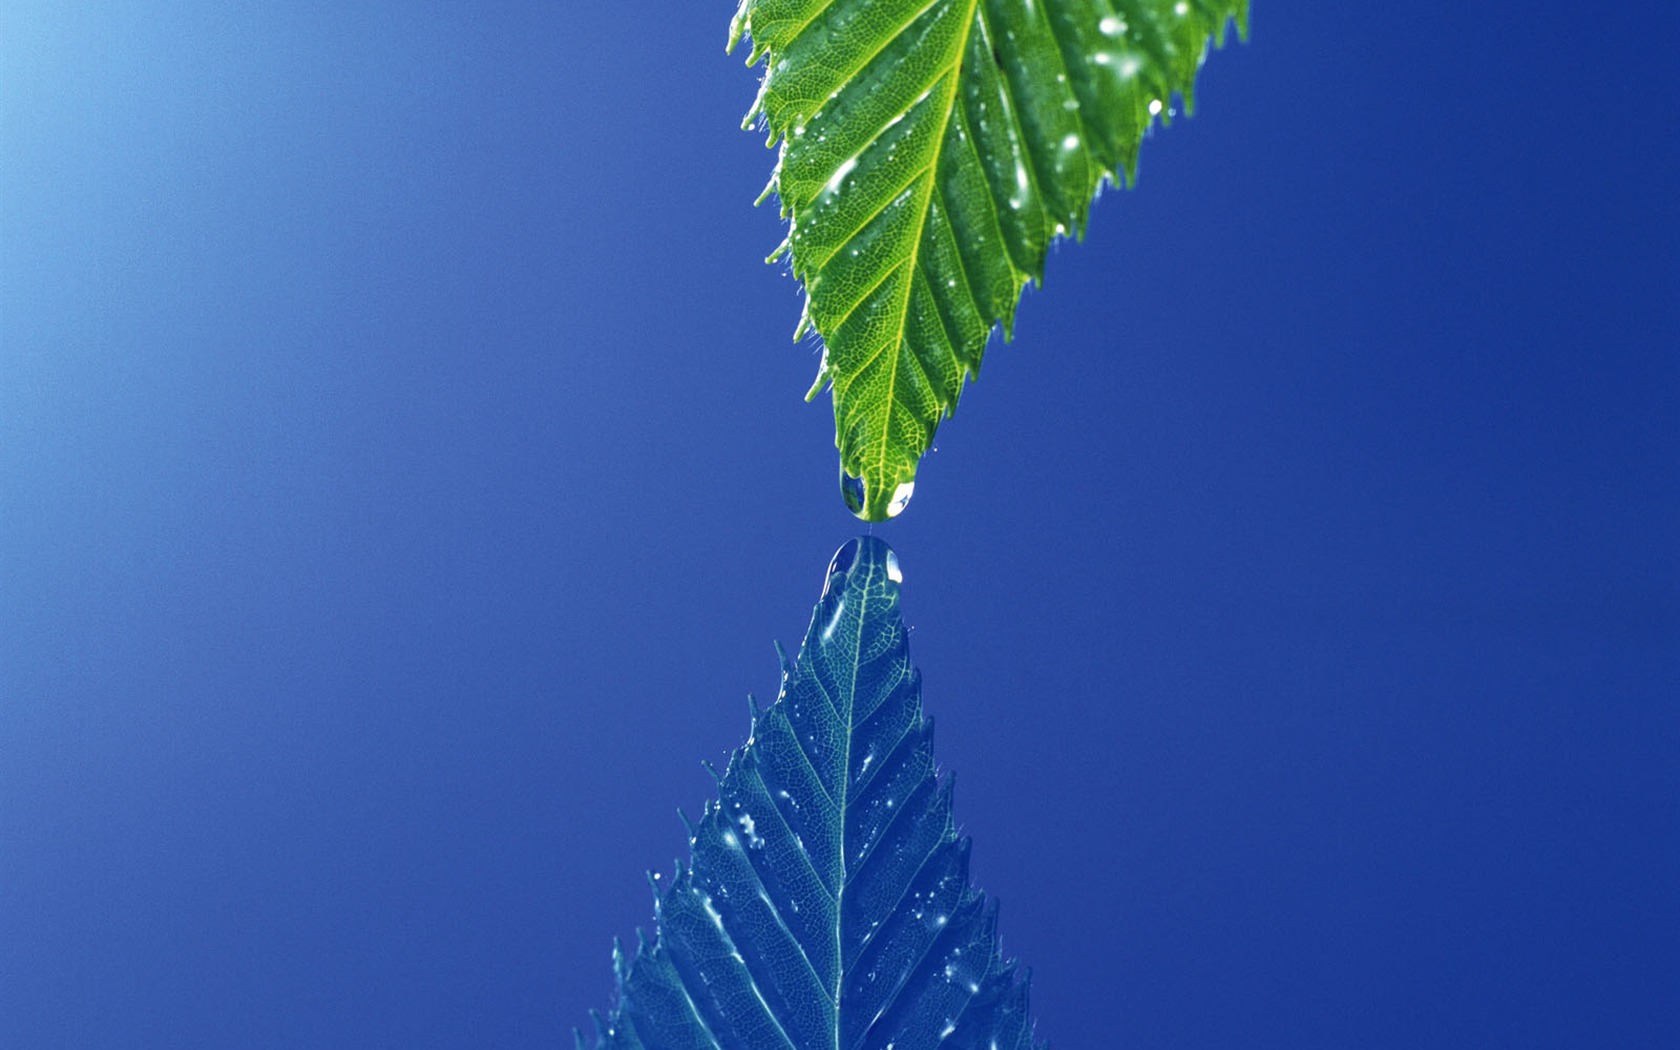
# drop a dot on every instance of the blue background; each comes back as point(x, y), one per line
point(403, 475)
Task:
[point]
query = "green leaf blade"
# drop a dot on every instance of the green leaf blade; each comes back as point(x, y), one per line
point(827, 905)
point(931, 151)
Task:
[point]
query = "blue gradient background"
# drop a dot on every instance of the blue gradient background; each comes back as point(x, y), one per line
point(403, 476)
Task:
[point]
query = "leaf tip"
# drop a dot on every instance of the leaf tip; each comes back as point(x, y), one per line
point(757, 111)
point(817, 385)
point(739, 26)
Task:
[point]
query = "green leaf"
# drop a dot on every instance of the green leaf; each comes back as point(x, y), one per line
point(827, 904)
point(931, 150)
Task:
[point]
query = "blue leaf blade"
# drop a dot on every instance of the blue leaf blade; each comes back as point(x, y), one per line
point(827, 904)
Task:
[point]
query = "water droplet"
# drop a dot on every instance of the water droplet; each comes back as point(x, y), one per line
point(750, 828)
point(856, 494)
point(851, 490)
point(894, 573)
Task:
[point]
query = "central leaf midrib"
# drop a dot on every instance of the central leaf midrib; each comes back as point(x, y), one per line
point(845, 803)
point(953, 77)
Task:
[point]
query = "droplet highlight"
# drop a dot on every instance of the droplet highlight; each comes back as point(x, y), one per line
point(901, 498)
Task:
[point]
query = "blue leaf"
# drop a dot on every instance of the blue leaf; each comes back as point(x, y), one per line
point(827, 902)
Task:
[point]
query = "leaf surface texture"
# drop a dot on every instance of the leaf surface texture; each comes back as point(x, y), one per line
point(827, 904)
point(931, 150)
